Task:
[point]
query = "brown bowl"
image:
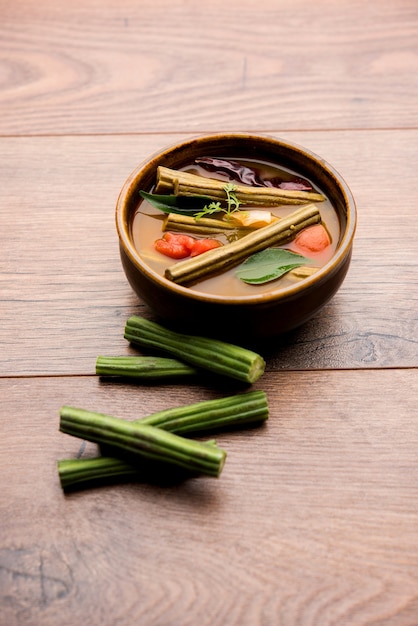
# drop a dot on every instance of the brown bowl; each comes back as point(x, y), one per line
point(257, 317)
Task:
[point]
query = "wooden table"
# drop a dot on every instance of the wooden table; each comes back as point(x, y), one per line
point(314, 521)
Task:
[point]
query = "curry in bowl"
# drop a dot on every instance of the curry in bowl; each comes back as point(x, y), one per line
point(235, 226)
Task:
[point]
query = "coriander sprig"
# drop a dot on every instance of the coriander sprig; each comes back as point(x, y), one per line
point(232, 204)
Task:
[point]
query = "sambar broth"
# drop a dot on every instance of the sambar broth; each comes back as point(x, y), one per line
point(147, 227)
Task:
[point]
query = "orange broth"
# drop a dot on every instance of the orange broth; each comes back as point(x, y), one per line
point(148, 222)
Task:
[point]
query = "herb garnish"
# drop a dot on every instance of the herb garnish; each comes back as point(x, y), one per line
point(232, 204)
point(270, 264)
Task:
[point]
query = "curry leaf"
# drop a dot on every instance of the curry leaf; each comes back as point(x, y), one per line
point(182, 205)
point(269, 265)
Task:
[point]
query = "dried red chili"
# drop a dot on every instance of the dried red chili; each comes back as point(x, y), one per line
point(249, 176)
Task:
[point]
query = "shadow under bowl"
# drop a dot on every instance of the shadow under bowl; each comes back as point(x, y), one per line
point(243, 319)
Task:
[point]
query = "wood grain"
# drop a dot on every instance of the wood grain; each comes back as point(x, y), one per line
point(314, 519)
point(65, 298)
point(93, 67)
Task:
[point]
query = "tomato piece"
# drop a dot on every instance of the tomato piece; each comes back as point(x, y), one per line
point(178, 238)
point(313, 238)
point(175, 246)
point(203, 245)
point(172, 250)
point(178, 246)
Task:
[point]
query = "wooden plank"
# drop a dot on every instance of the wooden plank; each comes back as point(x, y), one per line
point(314, 519)
point(85, 67)
point(65, 298)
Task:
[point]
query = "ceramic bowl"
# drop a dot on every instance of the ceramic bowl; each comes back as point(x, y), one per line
point(255, 317)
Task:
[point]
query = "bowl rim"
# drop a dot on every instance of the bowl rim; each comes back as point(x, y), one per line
point(130, 186)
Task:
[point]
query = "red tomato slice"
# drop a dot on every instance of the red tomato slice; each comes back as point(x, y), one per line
point(178, 246)
point(175, 246)
point(313, 239)
point(203, 245)
point(178, 238)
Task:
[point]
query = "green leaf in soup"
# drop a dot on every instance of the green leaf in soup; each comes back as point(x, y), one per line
point(182, 205)
point(267, 265)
